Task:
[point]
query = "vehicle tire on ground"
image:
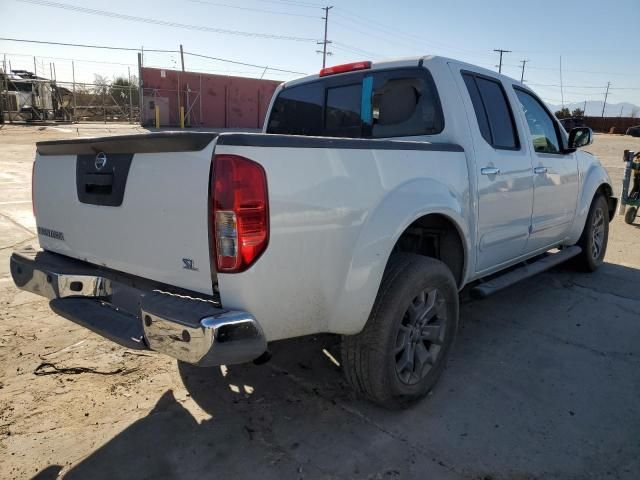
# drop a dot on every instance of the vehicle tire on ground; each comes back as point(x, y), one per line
point(630, 215)
point(595, 235)
point(402, 350)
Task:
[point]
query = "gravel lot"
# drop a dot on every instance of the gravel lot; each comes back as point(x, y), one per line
point(544, 382)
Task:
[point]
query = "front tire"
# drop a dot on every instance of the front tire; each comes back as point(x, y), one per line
point(595, 236)
point(630, 215)
point(402, 350)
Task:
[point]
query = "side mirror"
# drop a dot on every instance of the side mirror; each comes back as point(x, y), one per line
point(580, 137)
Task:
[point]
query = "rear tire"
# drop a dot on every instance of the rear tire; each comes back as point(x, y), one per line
point(595, 236)
point(402, 350)
point(630, 215)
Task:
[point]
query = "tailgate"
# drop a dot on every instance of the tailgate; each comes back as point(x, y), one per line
point(135, 203)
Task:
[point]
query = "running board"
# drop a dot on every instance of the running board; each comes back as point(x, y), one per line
point(496, 284)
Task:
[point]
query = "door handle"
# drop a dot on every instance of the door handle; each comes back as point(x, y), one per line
point(490, 171)
point(540, 170)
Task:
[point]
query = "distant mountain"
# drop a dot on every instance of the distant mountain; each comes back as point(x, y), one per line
point(594, 108)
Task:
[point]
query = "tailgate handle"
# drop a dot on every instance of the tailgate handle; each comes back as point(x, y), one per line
point(98, 183)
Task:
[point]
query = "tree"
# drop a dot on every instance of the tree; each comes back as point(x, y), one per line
point(635, 111)
point(578, 112)
point(119, 90)
point(564, 112)
point(100, 84)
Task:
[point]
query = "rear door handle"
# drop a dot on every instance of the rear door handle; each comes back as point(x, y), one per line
point(540, 170)
point(490, 171)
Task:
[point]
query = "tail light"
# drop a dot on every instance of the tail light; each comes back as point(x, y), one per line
point(240, 209)
point(346, 67)
point(33, 193)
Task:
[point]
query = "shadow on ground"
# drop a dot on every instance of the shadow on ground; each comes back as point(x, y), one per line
point(544, 382)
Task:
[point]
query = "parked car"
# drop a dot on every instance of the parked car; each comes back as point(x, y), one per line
point(634, 131)
point(375, 194)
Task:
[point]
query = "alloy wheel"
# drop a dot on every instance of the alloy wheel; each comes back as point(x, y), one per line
point(420, 336)
point(597, 233)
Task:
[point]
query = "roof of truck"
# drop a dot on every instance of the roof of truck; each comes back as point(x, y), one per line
point(407, 62)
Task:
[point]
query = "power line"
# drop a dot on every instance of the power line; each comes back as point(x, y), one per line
point(389, 37)
point(216, 70)
point(383, 35)
point(261, 10)
point(72, 59)
point(241, 63)
point(85, 45)
point(394, 33)
point(575, 71)
point(351, 49)
point(567, 86)
point(146, 50)
point(165, 23)
point(582, 86)
point(295, 3)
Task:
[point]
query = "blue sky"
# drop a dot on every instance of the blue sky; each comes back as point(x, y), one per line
point(595, 38)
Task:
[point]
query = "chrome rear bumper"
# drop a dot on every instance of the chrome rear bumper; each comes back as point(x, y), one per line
point(140, 314)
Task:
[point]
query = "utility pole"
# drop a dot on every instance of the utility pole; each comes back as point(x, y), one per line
point(605, 98)
point(584, 109)
point(75, 105)
point(501, 51)
point(141, 92)
point(523, 62)
point(6, 90)
point(561, 85)
point(4, 100)
point(35, 70)
point(325, 42)
point(182, 57)
point(130, 96)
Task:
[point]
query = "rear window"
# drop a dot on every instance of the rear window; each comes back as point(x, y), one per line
point(494, 115)
point(299, 111)
point(382, 104)
point(342, 112)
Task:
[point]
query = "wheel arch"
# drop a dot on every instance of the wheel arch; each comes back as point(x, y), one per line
point(402, 209)
point(607, 191)
point(436, 235)
point(594, 180)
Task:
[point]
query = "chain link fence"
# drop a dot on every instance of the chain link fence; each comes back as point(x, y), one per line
point(29, 99)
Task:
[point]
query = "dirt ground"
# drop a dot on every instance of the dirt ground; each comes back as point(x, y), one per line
point(544, 382)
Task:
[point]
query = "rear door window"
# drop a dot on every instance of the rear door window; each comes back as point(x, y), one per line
point(478, 107)
point(381, 104)
point(342, 113)
point(493, 111)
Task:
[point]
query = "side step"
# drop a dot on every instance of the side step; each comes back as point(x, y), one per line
point(503, 281)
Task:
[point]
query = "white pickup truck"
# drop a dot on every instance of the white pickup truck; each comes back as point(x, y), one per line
point(375, 194)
